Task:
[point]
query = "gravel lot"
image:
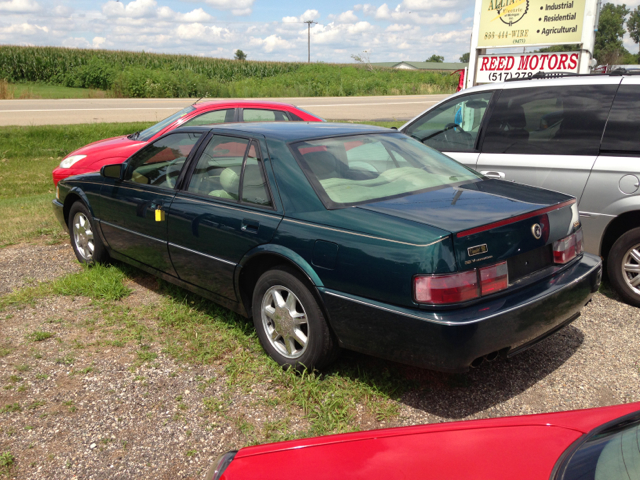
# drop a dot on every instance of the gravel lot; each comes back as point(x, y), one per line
point(92, 411)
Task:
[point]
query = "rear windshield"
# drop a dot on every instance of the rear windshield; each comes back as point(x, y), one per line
point(357, 169)
point(151, 131)
point(610, 455)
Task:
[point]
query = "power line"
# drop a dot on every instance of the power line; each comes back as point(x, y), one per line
point(309, 23)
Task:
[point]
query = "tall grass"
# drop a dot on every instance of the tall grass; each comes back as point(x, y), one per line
point(147, 75)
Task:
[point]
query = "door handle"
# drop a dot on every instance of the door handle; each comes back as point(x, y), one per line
point(492, 174)
point(250, 226)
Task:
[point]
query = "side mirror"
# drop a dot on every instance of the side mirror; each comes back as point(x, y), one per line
point(112, 171)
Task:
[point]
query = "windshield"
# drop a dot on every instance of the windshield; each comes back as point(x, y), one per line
point(613, 454)
point(308, 112)
point(147, 134)
point(357, 169)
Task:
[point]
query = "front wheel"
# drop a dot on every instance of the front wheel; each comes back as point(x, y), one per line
point(85, 241)
point(290, 323)
point(623, 266)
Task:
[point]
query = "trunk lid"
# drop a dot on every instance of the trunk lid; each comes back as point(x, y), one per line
point(492, 221)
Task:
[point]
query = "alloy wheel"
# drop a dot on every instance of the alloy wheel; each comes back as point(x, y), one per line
point(83, 236)
point(631, 268)
point(285, 321)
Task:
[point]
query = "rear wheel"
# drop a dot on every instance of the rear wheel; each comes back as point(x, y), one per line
point(85, 241)
point(623, 266)
point(290, 323)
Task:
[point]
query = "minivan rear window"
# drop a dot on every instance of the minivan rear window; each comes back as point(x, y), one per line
point(566, 120)
point(623, 128)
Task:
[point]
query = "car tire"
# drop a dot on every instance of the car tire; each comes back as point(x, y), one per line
point(290, 323)
point(623, 266)
point(85, 240)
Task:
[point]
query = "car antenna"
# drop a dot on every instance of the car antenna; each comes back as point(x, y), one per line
point(197, 100)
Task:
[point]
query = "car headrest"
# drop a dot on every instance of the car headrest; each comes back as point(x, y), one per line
point(516, 118)
point(323, 164)
point(230, 180)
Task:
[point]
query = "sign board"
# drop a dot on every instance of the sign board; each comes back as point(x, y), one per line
point(508, 23)
point(514, 24)
point(498, 68)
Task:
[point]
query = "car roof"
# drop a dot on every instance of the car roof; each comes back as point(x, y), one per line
point(241, 103)
point(596, 79)
point(296, 131)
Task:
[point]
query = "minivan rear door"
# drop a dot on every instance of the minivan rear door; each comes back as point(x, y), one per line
point(614, 183)
point(453, 126)
point(547, 134)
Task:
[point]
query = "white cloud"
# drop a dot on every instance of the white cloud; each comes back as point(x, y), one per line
point(134, 9)
point(237, 7)
point(271, 43)
point(198, 15)
point(200, 32)
point(345, 17)
point(427, 5)
point(24, 29)
point(19, 6)
point(401, 14)
point(98, 42)
point(308, 15)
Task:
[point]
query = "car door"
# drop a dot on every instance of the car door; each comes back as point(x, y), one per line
point(453, 127)
point(614, 184)
point(133, 208)
point(546, 136)
point(224, 210)
point(264, 115)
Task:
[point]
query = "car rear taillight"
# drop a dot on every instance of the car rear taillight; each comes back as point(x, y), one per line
point(440, 289)
point(494, 278)
point(568, 248)
point(460, 287)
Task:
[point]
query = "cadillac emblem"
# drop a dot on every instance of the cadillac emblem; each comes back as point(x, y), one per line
point(536, 230)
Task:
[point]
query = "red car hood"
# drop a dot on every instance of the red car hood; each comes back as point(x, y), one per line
point(525, 447)
point(108, 148)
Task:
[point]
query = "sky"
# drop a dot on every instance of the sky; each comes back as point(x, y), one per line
point(264, 29)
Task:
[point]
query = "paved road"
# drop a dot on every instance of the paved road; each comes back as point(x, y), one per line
point(57, 112)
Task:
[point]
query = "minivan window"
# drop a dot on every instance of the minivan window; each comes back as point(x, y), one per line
point(566, 120)
point(623, 128)
point(454, 125)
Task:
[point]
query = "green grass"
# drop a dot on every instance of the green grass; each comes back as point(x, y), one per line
point(39, 90)
point(27, 157)
point(39, 336)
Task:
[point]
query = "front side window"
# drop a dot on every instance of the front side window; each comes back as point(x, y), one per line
point(150, 132)
point(212, 118)
point(260, 115)
point(453, 126)
point(551, 120)
point(160, 163)
point(613, 454)
point(362, 168)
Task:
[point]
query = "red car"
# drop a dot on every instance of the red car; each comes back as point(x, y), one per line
point(92, 157)
point(596, 444)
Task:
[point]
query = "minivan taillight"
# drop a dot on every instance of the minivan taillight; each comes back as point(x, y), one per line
point(460, 287)
point(568, 248)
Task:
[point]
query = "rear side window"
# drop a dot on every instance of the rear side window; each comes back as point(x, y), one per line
point(623, 128)
point(210, 118)
point(556, 120)
point(259, 115)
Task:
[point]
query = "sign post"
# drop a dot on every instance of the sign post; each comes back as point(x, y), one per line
point(502, 24)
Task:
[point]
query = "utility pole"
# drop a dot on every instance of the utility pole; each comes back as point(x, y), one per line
point(309, 23)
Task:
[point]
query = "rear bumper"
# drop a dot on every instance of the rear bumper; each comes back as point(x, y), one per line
point(451, 340)
point(58, 210)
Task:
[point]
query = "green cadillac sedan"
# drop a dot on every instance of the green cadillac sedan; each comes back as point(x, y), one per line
point(335, 236)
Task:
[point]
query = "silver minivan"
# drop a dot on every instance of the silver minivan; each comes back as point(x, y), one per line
point(576, 134)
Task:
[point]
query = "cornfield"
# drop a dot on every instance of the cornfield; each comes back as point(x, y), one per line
point(49, 64)
point(147, 75)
